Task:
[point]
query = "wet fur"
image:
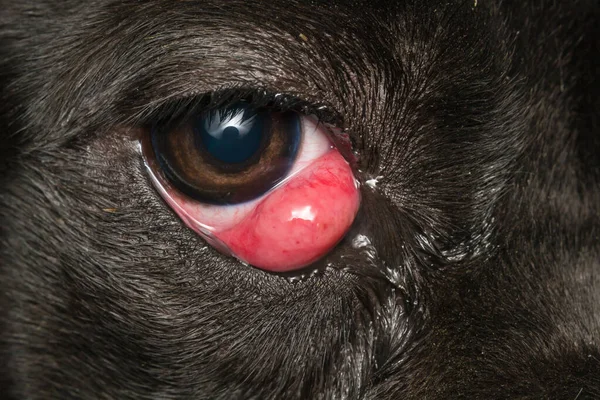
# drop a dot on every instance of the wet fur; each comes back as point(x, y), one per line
point(472, 270)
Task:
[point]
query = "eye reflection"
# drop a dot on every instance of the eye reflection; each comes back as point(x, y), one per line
point(232, 136)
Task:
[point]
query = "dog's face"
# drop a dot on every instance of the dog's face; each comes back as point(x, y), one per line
point(470, 270)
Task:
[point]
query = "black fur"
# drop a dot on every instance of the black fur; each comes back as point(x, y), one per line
point(477, 275)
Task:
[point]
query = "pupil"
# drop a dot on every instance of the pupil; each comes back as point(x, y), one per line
point(231, 136)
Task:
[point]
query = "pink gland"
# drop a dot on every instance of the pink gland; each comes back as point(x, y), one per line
point(299, 222)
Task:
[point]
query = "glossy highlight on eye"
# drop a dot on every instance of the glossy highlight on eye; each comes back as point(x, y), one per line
point(269, 188)
point(232, 138)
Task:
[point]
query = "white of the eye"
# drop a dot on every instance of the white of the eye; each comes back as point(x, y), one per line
point(315, 143)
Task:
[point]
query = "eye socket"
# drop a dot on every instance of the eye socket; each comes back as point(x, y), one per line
point(269, 188)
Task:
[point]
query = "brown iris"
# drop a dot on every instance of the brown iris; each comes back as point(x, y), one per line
point(229, 155)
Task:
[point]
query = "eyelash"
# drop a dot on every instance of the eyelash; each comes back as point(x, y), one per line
point(171, 113)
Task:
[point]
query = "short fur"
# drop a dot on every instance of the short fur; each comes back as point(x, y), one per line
point(477, 272)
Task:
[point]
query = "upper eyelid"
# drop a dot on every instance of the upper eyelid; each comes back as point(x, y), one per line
point(172, 111)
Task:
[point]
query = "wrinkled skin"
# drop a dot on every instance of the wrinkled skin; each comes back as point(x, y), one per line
point(477, 272)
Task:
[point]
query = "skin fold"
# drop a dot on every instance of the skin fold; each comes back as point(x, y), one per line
point(472, 267)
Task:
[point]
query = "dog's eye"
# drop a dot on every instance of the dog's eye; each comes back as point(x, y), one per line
point(267, 187)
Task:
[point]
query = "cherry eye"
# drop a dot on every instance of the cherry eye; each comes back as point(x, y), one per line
point(269, 188)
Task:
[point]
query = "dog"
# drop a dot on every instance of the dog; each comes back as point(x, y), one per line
point(471, 269)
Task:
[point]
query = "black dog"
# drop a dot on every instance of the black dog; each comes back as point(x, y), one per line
point(471, 271)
